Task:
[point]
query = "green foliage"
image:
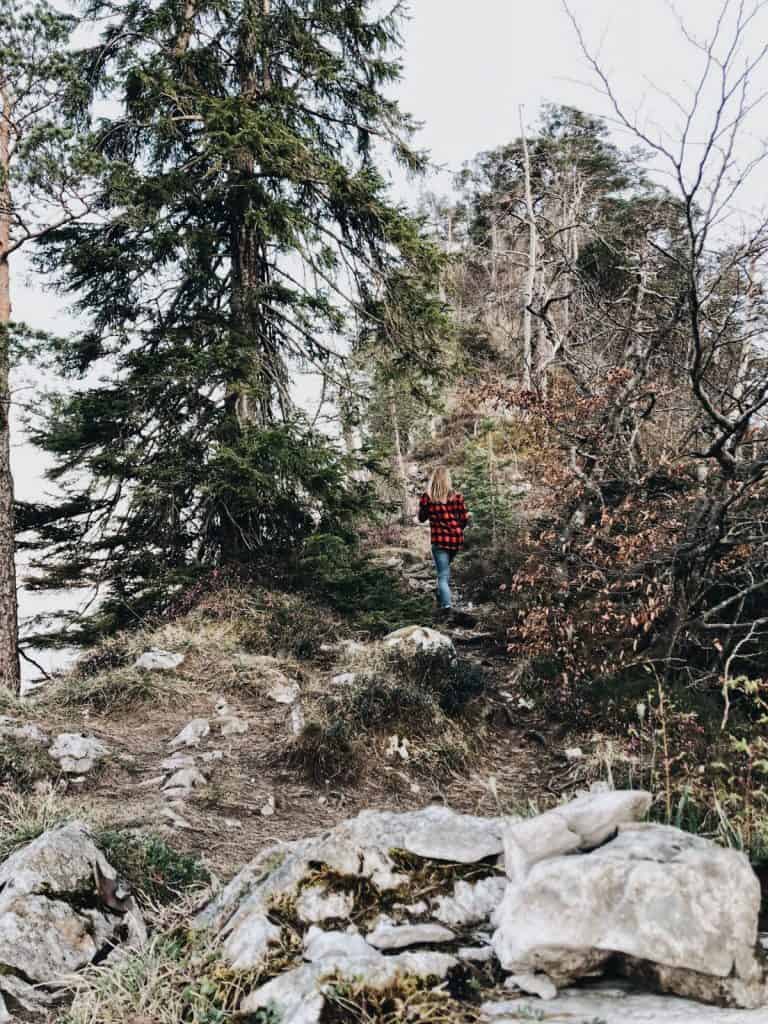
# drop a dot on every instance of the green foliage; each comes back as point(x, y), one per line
point(234, 237)
point(488, 494)
point(370, 597)
point(156, 872)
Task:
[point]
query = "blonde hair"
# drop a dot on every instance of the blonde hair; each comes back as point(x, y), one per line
point(440, 487)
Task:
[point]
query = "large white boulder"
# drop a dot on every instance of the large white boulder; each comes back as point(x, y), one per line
point(653, 894)
point(582, 824)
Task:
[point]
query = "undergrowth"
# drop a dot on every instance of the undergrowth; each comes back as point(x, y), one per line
point(155, 871)
point(425, 697)
point(23, 762)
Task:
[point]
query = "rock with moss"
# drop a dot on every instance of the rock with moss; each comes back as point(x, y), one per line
point(61, 908)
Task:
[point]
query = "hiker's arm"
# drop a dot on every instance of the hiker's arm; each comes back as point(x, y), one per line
point(461, 512)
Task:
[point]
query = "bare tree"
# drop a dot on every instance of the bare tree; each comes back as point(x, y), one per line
point(722, 267)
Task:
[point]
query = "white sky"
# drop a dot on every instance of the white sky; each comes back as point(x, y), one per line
point(468, 68)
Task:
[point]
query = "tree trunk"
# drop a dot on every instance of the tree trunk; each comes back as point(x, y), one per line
point(400, 471)
point(259, 379)
point(532, 253)
point(10, 678)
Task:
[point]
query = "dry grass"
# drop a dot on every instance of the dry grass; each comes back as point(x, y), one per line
point(25, 816)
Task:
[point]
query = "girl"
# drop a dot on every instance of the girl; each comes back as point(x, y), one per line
point(447, 515)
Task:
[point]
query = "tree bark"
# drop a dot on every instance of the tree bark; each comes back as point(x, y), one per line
point(10, 677)
point(400, 470)
point(259, 380)
point(532, 254)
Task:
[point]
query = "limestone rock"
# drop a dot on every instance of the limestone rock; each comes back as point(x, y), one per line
point(420, 639)
point(580, 825)
point(283, 691)
point(475, 954)
point(77, 754)
point(319, 945)
point(358, 848)
point(315, 905)
point(185, 779)
point(534, 984)
point(177, 761)
point(192, 734)
point(53, 918)
point(246, 946)
point(470, 902)
point(298, 720)
point(387, 935)
point(298, 995)
point(159, 661)
point(344, 679)
point(652, 894)
point(615, 1007)
point(232, 725)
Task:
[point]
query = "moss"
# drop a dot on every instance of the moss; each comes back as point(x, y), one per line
point(408, 999)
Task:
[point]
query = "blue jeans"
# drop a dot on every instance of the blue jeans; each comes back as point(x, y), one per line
point(443, 561)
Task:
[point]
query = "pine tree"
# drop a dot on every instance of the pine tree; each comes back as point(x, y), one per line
point(41, 168)
point(243, 227)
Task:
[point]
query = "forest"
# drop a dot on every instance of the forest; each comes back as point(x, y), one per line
point(273, 354)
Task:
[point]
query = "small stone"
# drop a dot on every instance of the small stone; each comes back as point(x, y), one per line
point(574, 754)
point(158, 661)
point(284, 692)
point(186, 779)
point(297, 720)
point(192, 734)
point(532, 984)
point(268, 809)
point(387, 935)
point(319, 944)
point(176, 761)
point(211, 756)
point(420, 639)
point(233, 726)
point(344, 679)
point(77, 754)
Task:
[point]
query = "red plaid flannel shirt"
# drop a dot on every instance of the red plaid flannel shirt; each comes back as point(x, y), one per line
point(446, 521)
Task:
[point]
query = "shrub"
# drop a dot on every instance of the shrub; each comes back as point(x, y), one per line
point(155, 871)
point(325, 752)
point(371, 597)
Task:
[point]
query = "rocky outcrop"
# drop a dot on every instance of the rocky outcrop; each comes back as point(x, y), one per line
point(572, 894)
point(673, 907)
point(61, 908)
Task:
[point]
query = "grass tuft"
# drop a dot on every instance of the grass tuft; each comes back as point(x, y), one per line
point(157, 873)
